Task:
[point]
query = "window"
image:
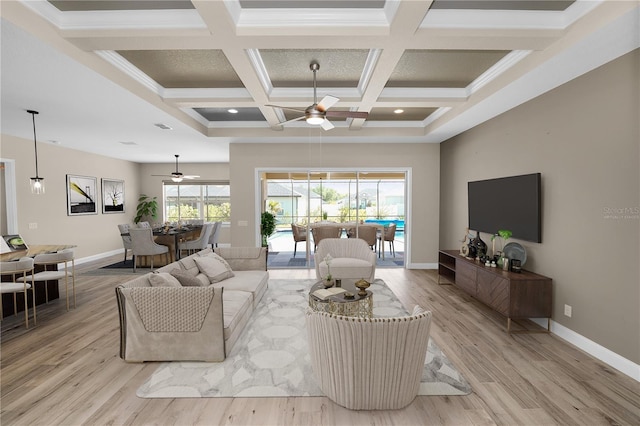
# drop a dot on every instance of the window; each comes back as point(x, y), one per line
point(209, 201)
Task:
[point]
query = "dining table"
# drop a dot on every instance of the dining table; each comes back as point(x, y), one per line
point(51, 285)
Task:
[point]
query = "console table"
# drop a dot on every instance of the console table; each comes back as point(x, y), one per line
point(515, 295)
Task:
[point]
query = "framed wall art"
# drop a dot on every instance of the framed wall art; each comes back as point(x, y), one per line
point(82, 195)
point(112, 196)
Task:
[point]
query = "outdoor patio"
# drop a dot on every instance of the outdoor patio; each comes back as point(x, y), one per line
point(281, 252)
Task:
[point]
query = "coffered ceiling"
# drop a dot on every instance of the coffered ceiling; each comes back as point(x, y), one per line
point(211, 70)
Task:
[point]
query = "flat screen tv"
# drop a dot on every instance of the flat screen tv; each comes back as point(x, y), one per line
point(512, 203)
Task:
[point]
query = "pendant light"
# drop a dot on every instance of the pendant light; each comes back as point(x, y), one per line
point(37, 182)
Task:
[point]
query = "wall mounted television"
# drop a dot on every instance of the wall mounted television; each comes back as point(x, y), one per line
point(512, 203)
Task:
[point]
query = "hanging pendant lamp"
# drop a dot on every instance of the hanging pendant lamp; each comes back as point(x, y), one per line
point(37, 182)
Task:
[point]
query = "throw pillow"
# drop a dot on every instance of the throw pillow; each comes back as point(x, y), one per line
point(163, 279)
point(185, 279)
point(214, 267)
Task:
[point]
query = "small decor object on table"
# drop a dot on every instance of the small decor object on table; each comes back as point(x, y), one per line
point(362, 286)
point(328, 281)
point(480, 246)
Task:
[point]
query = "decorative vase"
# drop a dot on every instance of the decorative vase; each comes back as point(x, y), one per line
point(362, 285)
point(481, 246)
point(328, 283)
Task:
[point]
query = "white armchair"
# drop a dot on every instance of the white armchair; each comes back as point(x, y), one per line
point(351, 258)
point(369, 363)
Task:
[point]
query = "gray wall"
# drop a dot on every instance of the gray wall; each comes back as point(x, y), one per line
point(423, 159)
point(583, 137)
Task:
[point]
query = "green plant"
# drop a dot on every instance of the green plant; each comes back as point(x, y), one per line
point(267, 226)
point(503, 233)
point(147, 207)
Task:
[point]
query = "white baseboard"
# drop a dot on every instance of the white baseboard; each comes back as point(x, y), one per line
point(605, 355)
point(100, 256)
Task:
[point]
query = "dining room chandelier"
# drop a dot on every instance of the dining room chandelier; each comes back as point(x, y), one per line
point(37, 182)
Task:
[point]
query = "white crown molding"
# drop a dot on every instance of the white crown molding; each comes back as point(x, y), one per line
point(132, 71)
point(367, 71)
point(424, 93)
point(512, 19)
point(307, 93)
point(260, 69)
point(116, 19)
point(498, 68)
point(435, 115)
point(283, 17)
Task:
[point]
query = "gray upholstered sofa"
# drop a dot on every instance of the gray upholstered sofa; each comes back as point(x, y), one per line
point(193, 320)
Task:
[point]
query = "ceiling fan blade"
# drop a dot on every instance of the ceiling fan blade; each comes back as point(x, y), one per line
point(347, 114)
point(281, 107)
point(327, 125)
point(327, 102)
point(291, 121)
point(162, 176)
point(190, 177)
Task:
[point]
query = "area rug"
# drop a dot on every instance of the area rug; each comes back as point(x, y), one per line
point(271, 359)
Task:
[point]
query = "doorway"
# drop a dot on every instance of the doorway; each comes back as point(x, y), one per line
point(347, 199)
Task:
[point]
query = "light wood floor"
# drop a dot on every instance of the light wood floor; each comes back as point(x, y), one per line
point(66, 371)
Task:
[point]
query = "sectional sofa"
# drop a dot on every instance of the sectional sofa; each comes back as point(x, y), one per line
point(194, 309)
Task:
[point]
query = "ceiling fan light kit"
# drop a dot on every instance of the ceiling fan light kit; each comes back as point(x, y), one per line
point(177, 176)
point(316, 114)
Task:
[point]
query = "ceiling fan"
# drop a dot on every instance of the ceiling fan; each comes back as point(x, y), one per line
point(177, 176)
point(318, 112)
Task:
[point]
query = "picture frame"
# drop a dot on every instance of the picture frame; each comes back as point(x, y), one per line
point(112, 196)
point(82, 194)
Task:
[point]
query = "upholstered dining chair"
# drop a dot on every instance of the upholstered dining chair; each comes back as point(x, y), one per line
point(215, 234)
point(299, 235)
point(48, 260)
point(126, 239)
point(143, 245)
point(368, 363)
point(144, 225)
point(321, 232)
point(389, 236)
point(14, 268)
point(200, 243)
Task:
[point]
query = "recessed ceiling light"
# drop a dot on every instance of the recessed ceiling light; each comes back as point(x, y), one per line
point(398, 111)
point(54, 142)
point(232, 111)
point(163, 126)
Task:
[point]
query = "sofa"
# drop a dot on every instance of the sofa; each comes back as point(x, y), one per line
point(193, 309)
point(350, 258)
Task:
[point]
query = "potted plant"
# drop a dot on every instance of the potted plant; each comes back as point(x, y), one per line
point(267, 227)
point(147, 207)
point(505, 234)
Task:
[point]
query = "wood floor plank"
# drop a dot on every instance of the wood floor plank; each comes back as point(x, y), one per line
point(66, 370)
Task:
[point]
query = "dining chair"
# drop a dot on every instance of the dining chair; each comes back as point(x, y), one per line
point(126, 239)
point(52, 260)
point(319, 233)
point(215, 234)
point(389, 236)
point(299, 235)
point(365, 232)
point(22, 266)
point(143, 245)
point(200, 243)
point(144, 225)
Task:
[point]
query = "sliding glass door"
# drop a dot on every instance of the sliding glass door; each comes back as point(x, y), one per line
point(301, 200)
